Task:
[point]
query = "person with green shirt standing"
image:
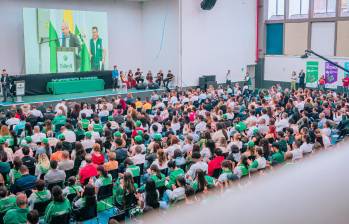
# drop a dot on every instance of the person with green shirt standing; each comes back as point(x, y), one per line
point(58, 206)
point(97, 51)
point(18, 215)
point(7, 200)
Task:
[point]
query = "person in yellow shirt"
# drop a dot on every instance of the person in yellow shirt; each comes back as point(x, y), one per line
point(147, 106)
point(139, 104)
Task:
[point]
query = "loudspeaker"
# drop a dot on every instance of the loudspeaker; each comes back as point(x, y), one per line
point(208, 4)
point(153, 86)
point(141, 86)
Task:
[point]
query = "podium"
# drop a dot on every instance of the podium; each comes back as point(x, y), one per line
point(20, 90)
point(66, 59)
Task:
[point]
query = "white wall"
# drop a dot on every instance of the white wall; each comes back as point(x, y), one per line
point(160, 30)
point(217, 40)
point(124, 25)
point(279, 68)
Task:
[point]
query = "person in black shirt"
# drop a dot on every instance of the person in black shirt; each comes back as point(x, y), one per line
point(138, 76)
point(7, 85)
point(159, 78)
point(301, 77)
point(168, 79)
point(28, 161)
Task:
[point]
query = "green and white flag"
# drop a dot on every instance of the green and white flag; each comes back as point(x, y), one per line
point(54, 44)
point(84, 54)
point(312, 73)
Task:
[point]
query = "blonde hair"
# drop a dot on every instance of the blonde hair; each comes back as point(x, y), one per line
point(43, 160)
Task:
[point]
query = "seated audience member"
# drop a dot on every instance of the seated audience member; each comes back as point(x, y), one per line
point(65, 163)
point(72, 187)
point(54, 175)
point(7, 200)
point(198, 164)
point(58, 206)
point(18, 214)
point(112, 164)
point(33, 217)
point(103, 178)
point(87, 171)
point(25, 182)
point(40, 194)
point(88, 197)
point(97, 156)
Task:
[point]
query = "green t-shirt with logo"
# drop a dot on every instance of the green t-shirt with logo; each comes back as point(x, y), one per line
point(59, 120)
point(85, 123)
point(134, 170)
point(57, 208)
point(16, 216)
point(159, 182)
point(277, 158)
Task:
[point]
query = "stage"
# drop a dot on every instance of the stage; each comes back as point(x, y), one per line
point(90, 97)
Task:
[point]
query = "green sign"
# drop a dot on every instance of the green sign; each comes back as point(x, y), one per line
point(312, 73)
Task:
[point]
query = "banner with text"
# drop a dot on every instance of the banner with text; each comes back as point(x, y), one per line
point(331, 75)
point(312, 74)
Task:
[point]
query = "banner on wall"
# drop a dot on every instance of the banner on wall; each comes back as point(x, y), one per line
point(331, 75)
point(312, 73)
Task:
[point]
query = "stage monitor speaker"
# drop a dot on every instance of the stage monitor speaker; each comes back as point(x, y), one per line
point(208, 4)
point(141, 86)
point(153, 86)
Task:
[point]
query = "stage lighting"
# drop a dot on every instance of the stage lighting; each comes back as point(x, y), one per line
point(208, 4)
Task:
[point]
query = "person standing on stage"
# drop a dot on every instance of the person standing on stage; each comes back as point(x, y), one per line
point(6, 85)
point(71, 40)
point(97, 51)
point(168, 79)
point(115, 76)
point(301, 77)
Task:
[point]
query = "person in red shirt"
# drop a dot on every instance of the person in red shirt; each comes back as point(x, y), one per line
point(215, 163)
point(138, 128)
point(97, 156)
point(346, 83)
point(88, 171)
point(322, 83)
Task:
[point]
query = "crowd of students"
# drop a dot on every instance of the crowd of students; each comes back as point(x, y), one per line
point(149, 154)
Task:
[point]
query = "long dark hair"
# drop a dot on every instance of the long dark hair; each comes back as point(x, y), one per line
point(200, 177)
point(89, 195)
point(155, 168)
point(151, 194)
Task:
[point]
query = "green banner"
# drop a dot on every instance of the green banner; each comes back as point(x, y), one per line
point(312, 73)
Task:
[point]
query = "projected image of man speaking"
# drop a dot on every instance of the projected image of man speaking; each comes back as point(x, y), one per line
point(71, 40)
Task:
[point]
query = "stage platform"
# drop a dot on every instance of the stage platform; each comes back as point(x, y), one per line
point(86, 96)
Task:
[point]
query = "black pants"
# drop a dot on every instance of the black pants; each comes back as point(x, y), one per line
point(302, 85)
point(6, 93)
point(166, 82)
point(158, 81)
point(115, 83)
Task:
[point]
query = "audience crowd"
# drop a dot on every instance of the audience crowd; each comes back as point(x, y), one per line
point(66, 161)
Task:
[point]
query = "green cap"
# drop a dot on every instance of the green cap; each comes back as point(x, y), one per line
point(138, 123)
point(61, 137)
point(2, 140)
point(45, 140)
point(88, 134)
point(117, 134)
point(28, 139)
point(255, 131)
point(241, 126)
point(157, 137)
point(250, 144)
point(138, 139)
point(225, 116)
point(110, 118)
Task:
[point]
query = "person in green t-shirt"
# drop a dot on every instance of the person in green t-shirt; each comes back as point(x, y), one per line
point(157, 176)
point(103, 179)
point(97, 51)
point(58, 206)
point(131, 168)
point(59, 121)
point(174, 173)
point(84, 121)
point(72, 187)
point(242, 167)
point(7, 200)
point(277, 157)
point(124, 191)
point(201, 182)
point(88, 197)
point(18, 215)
